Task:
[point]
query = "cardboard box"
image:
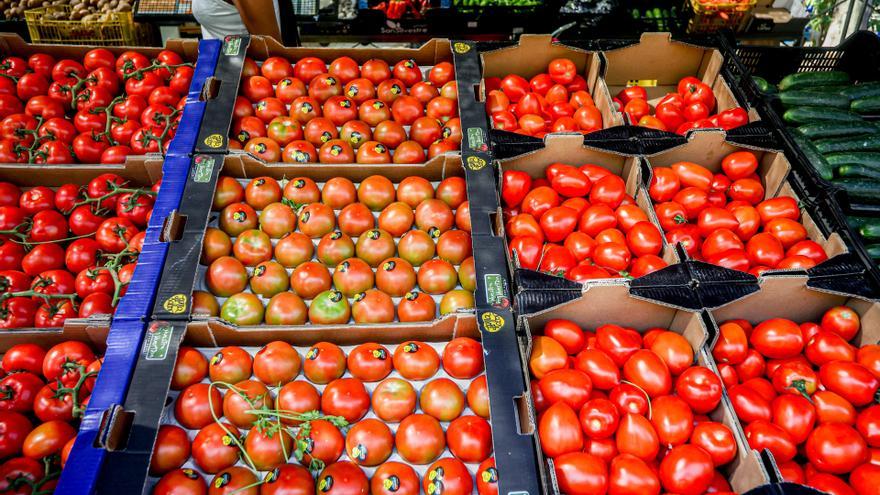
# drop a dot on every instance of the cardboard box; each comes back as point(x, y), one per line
point(531, 56)
point(795, 298)
point(569, 149)
point(138, 171)
point(658, 63)
point(708, 148)
point(607, 303)
point(126, 469)
point(429, 54)
point(202, 53)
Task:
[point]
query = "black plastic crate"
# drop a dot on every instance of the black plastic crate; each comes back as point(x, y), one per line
point(858, 56)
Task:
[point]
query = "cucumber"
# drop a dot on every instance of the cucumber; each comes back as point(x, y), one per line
point(856, 222)
point(858, 171)
point(807, 79)
point(763, 85)
point(806, 115)
point(870, 104)
point(858, 143)
point(819, 130)
point(861, 189)
point(873, 251)
point(864, 159)
point(870, 231)
point(814, 98)
point(814, 157)
point(865, 90)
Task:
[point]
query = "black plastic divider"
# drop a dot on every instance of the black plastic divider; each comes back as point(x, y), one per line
point(515, 456)
point(222, 89)
point(126, 468)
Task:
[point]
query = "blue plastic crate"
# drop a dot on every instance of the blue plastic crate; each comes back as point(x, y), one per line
point(184, 141)
point(138, 299)
point(84, 463)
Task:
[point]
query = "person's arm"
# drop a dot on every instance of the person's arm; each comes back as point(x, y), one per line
point(258, 17)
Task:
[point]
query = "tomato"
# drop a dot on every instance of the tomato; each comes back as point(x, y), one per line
point(190, 368)
point(842, 321)
point(559, 430)
point(637, 436)
point(581, 473)
point(230, 364)
point(836, 448)
point(686, 469)
point(324, 443)
point(20, 392)
point(47, 439)
point(629, 475)
point(297, 397)
point(419, 439)
point(252, 247)
point(717, 440)
point(171, 450)
point(852, 381)
point(700, 388)
point(324, 362)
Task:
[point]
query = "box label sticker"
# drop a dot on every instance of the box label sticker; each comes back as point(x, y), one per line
point(475, 163)
point(231, 45)
point(476, 139)
point(214, 141)
point(645, 83)
point(204, 165)
point(175, 304)
point(496, 291)
point(157, 341)
point(492, 322)
point(460, 47)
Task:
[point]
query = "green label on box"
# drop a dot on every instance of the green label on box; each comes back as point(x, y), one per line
point(231, 45)
point(204, 165)
point(496, 292)
point(476, 139)
point(156, 341)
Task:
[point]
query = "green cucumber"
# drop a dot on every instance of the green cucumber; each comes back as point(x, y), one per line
point(819, 130)
point(856, 222)
point(873, 251)
point(763, 85)
point(864, 159)
point(807, 79)
point(870, 231)
point(858, 171)
point(861, 189)
point(814, 98)
point(865, 90)
point(870, 104)
point(870, 142)
point(807, 115)
point(814, 157)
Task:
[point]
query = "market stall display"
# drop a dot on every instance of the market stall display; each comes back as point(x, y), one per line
point(539, 268)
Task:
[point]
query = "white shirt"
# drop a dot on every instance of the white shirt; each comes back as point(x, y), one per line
point(217, 18)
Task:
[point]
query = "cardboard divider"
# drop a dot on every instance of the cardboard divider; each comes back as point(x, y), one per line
point(611, 303)
point(219, 101)
point(188, 128)
point(474, 121)
point(658, 63)
point(530, 57)
point(709, 147)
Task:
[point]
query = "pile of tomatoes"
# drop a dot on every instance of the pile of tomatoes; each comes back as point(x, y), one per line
point(624, 413)
point(99, 109)
point(344, 113)
point(44, 395)
point(722, 218)
point(554, 101)
point(578, 222)
point(68, 252)
point(691, 107)
point(332, 429)
point(282, 239)
point(807, 395)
